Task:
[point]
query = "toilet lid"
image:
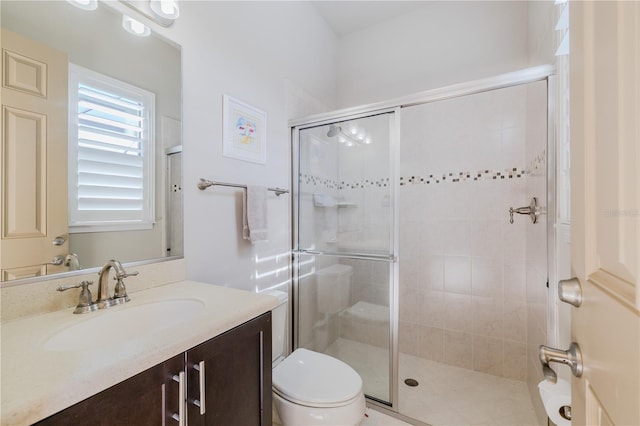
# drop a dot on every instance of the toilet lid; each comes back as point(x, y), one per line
point(310, 378)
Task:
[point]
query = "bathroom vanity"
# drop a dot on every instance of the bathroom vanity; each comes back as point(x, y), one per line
point(189, 353)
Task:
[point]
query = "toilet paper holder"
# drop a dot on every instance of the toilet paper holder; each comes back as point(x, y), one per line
point(565, 412)
point(556, 399)
point(571, 357)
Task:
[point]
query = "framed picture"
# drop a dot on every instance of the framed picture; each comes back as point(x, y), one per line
point(244, 131)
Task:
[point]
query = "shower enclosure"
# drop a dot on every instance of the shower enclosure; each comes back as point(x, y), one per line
point(345, 263)
point(406, 264)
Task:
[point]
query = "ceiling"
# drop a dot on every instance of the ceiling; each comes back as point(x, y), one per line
point(345, 16)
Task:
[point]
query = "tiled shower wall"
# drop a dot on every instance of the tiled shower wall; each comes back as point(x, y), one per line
point(463, 287)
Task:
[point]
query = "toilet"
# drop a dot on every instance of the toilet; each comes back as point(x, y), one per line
point(310, 388)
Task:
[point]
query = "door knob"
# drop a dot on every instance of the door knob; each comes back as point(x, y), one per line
point(571, 357)
point(570, 291)
point(58, 241)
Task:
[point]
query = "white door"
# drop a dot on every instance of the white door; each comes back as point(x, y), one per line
point(33, 181)
point(605, 209)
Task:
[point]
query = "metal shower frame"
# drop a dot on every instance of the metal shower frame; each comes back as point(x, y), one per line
point(394, 107)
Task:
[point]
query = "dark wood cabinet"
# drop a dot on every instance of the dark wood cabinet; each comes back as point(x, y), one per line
point(236, 383)
point(233, 371)
point(136, 401)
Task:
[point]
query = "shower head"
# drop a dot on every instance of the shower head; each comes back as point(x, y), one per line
point(334, 131)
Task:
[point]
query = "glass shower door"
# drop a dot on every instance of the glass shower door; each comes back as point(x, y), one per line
point(344, 245)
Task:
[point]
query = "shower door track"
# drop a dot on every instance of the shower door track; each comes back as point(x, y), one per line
point(501, 81)
point(349, 255)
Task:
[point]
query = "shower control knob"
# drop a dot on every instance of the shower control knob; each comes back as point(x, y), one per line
point(531, 210)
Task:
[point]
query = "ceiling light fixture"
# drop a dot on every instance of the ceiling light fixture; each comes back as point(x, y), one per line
point(85, 4)
point(162, 12)
point(135, 27)
point(165, 8)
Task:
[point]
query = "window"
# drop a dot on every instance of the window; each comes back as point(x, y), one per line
point(111, 154)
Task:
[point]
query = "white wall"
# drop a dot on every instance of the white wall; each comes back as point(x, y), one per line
point(280, 58)
point(542, 18)
point(290, 65)
point(443, 43)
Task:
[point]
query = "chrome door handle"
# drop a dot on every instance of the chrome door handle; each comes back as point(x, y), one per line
point(570, 291)
point(180, 415)
point(571, 357)
point(57, 261)
point(201, 402)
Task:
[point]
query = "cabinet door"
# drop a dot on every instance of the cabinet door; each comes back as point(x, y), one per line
point(234, 370)
point(143, 399)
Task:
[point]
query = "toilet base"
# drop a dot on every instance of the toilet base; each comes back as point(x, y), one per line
point(286, 413)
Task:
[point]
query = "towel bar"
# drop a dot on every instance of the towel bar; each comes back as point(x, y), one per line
point(205, 183)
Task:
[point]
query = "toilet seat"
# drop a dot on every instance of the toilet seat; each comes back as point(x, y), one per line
point(316, 380)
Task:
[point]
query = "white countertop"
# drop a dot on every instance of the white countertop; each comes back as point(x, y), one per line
point(37, 382)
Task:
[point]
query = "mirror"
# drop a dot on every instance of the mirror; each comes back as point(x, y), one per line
point(94, 40)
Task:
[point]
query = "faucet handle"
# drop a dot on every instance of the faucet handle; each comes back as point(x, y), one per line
point(82, 284)
point(85, 302)
point(120, 291)
point(129, 274)
point(124, 274)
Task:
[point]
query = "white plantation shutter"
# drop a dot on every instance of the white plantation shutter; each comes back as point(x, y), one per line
point(111, 154)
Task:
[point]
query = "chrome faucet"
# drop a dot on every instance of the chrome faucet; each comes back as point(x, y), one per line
point(120, 292)
point(85, 303)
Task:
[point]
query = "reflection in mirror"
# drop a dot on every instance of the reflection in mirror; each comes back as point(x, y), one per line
point(91, 141)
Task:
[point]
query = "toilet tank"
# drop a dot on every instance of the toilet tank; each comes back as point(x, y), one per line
point(278, 324)
point(333, 285)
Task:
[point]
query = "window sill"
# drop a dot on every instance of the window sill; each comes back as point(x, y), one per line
point(110, 227)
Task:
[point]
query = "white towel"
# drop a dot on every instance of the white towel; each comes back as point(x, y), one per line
point(254, 214)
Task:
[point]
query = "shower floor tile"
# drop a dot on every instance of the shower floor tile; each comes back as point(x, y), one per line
point(446, 395)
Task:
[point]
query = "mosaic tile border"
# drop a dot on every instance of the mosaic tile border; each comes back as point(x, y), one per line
point(380, 183)
point(318, 181)
point(332, 184)
point(513, 173)
point(538, 165)
point(453, 177)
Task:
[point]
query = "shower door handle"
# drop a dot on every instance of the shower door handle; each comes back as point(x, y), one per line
point(351, 255)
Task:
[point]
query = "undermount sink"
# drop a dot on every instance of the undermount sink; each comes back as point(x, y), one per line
point(118, 324)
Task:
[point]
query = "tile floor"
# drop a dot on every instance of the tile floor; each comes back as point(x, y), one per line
point(445, 396)
point(448, 395)
point(376, 418)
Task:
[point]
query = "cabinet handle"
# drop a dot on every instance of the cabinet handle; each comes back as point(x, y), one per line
point(179, 417)
point(200, 402)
